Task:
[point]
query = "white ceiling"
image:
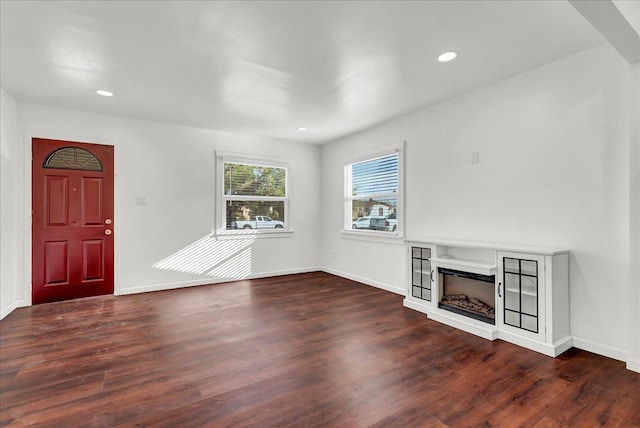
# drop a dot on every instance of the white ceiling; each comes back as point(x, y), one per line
point(267, 67)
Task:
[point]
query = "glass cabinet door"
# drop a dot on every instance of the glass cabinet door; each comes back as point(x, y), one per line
point(421, 273)
point(522, 291)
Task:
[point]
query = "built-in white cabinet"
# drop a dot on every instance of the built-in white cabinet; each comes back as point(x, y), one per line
point(419, 293)
point(516, 293)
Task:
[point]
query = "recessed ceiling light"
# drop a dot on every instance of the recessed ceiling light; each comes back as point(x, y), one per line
point(447, 56)
point(302, 128)
point(104, 93)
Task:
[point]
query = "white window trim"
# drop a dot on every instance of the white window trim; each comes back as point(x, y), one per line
point(373, 235)
point(221, 226)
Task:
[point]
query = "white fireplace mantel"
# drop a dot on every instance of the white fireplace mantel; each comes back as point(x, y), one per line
point(495, 246)
point(531, 289)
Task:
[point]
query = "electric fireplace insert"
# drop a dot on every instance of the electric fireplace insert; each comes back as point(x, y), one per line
point(469, 294)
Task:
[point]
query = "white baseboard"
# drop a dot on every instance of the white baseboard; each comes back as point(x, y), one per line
point(287, 272)
point(420, 307)
point(563, 345)
point(164, 286)
point(206, 281)
point(366, 281)
point(535, 345)
point(597, 348)
point(12, 307)
point(633, 365)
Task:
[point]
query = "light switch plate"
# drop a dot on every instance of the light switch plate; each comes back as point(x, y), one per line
point(475, 157)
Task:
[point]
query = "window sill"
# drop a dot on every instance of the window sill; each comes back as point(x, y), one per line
point(251, 234)
point(384, 237)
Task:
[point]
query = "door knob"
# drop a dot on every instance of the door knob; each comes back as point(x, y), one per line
point(108, 221)
point(107, 232)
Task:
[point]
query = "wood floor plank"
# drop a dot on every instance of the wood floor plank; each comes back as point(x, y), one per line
point(301, 350)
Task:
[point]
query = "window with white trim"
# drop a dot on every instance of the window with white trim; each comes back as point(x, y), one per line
point(254, 195)
point(372, 194)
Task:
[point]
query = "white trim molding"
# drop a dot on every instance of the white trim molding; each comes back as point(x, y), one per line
point(208, 281)
point(12, 307)
point(366, 281)
point(349, 198)
point(597, 348)
point(633, 365)
point(221, 198)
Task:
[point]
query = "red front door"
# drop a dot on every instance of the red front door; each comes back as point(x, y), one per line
point(72, 220)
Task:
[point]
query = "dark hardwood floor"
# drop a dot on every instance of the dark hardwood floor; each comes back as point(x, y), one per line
point(301, 350)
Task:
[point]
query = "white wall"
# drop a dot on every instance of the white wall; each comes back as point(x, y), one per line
point(553, 170)
point(174, 168)
point(11, 191)
point(633, 362)
point(376, 262)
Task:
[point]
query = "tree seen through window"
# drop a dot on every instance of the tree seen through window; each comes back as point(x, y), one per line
point(255, 196)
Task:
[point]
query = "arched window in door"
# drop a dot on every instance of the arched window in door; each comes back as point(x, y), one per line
point(72, 158)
